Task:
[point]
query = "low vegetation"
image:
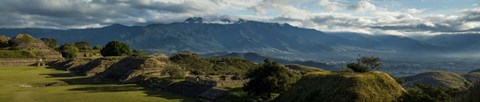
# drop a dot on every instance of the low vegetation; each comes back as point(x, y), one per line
point(115, 48)
point(17, 54)
point(69, 50)
point(270, 78)
point(428, 93)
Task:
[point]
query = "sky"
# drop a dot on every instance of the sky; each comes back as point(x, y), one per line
point(397, 17)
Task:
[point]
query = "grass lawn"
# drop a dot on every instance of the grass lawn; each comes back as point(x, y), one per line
point(15, 86)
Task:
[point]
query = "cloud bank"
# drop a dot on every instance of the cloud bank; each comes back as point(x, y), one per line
point(363, 16)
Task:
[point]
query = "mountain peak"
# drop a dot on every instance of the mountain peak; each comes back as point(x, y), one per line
point(194, 20)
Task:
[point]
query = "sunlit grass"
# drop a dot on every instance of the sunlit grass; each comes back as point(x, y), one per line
point(15, 86)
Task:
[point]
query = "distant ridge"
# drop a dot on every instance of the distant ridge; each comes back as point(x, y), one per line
point(202, 35)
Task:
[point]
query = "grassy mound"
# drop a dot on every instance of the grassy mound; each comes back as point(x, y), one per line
point(130, 69)
point(437, 79)
point(344, 87)
point(29, 43)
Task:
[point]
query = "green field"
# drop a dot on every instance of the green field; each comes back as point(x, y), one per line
point(16, 86)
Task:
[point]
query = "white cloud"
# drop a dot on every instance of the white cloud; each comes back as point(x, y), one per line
point(363, 5)
point(364, 16)
point(413, 11)
point(330, 5)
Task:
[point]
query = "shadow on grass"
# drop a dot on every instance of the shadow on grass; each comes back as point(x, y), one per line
point(58, 75)
point(110, 88)
point(166, 94)
point(89, 81)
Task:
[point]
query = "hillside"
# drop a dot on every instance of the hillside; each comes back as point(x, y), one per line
point(344, 87)
point(242, 36)
point(438, 79)
point(258, 57)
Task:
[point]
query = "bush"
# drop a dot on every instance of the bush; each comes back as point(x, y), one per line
point(137, 53)
point(50, 42)
point(115, 48)
point(231, 65)
point(68, 51)
point(82, 45)
point(270, 78)
point(191, 62)
point(358, 67)
point(97, 47)
point(174, 71)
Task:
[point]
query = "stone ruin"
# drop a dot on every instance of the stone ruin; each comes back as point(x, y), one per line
point(130, 69)
point(95, 66)
point(216, 80)
point(28, 43)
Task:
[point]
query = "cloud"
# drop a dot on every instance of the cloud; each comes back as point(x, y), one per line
point(364, 16)
point(330, 5)
point(363, 5)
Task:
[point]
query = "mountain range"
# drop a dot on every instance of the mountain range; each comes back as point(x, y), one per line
point(274, 39)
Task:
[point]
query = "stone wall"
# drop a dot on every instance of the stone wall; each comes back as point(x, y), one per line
point(18, 61)
point(215, 81)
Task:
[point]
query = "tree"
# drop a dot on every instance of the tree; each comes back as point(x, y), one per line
point(83, 45)
point(68, 50)
point(174, 70)
point(365, 64)
point(192, 62)
point(97, 47)
point(270, 78)
point(115, 48)
point(4, 41)
point(137, 53)
point(50, 42)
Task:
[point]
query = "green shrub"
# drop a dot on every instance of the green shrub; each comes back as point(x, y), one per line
point(115, 48)
point(231, 65)
point(16, 54)
point(68, 50)
point(50, 42)
point(192, 62)
point(358, 67)
point(174, 71)
point(270, 78)
point(83, 45)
